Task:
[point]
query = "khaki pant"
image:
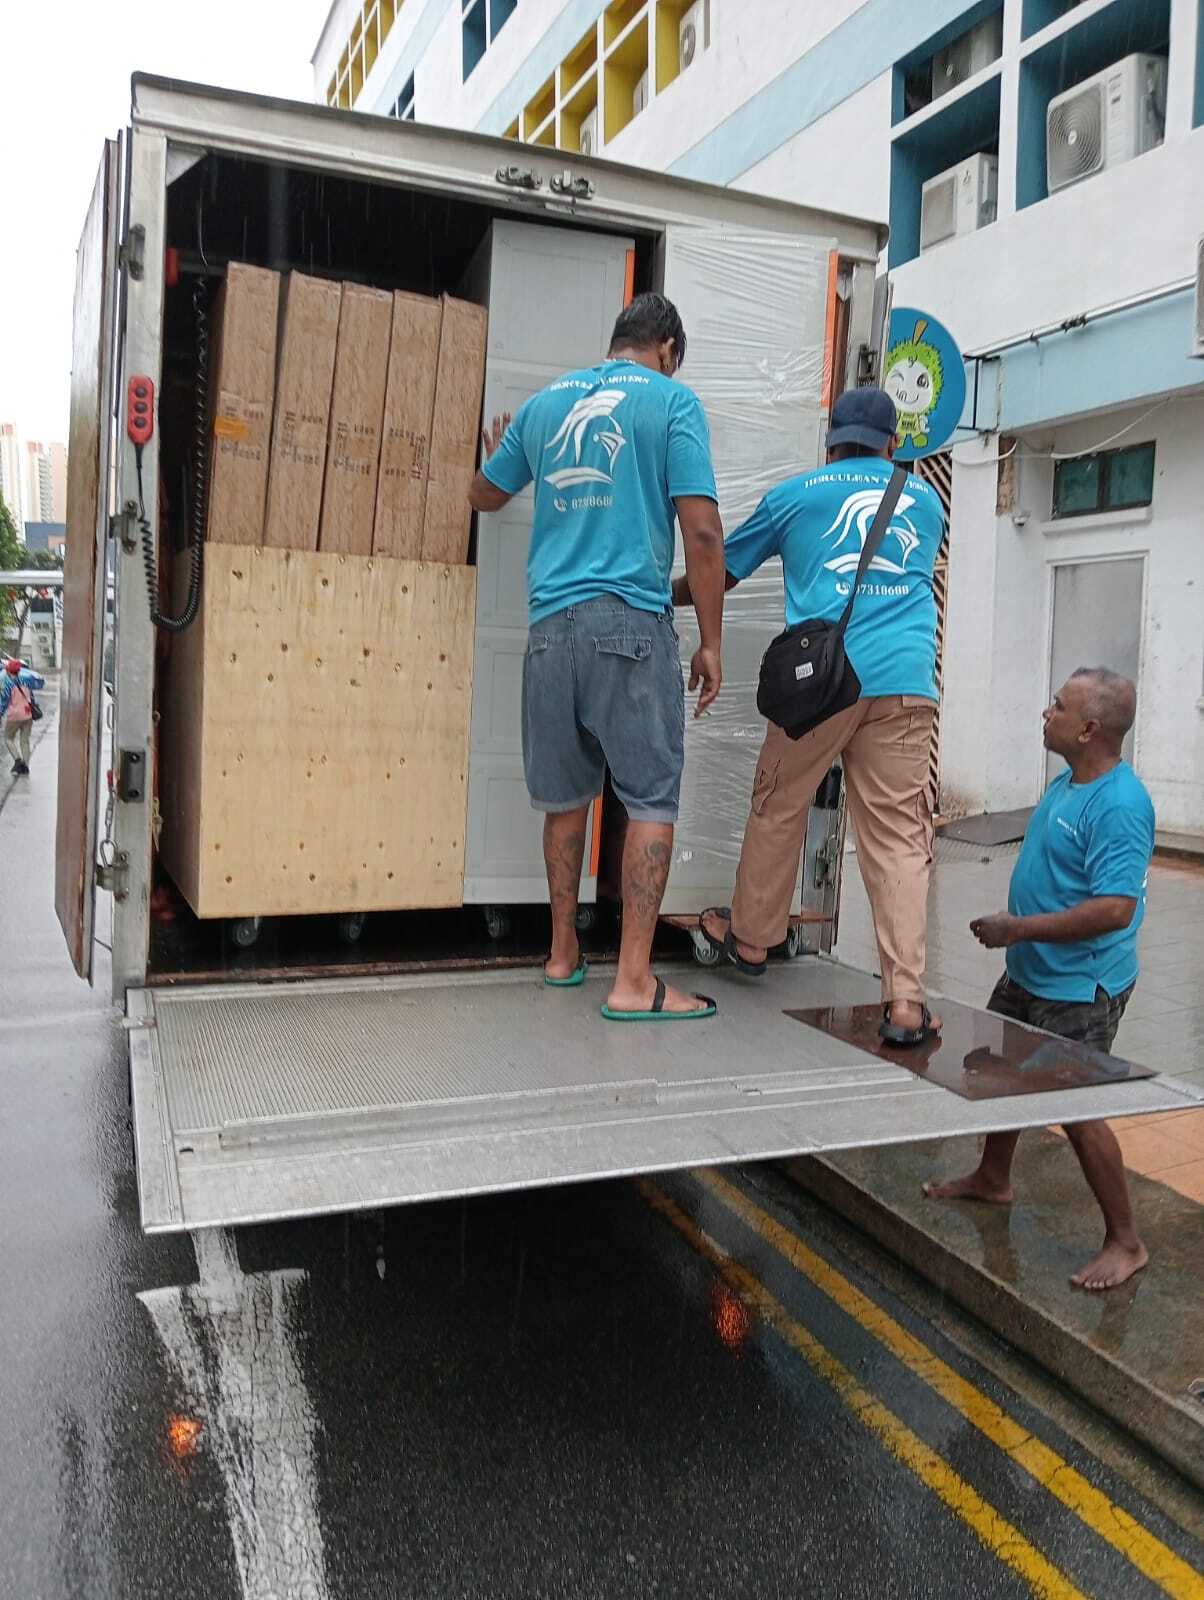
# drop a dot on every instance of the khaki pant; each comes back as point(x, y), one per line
point(16, 737)
point(885, 744)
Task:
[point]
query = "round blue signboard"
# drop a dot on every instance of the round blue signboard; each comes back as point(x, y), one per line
point(924, 375)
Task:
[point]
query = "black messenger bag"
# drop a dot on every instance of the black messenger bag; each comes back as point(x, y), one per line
point(806, 677)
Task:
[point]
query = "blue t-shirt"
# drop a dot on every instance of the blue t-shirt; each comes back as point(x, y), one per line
point(818, 524)
point(1084, 840)
point(610, 448)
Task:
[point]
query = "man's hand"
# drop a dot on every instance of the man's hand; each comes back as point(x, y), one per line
point(996, 931)
point(705, 669)
point(491, 436)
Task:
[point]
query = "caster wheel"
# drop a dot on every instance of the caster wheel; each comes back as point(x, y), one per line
point(587, 919)
point(794, 942)
point(350, 928)
point(497, 923)
point(705, 953)
point(244, 931)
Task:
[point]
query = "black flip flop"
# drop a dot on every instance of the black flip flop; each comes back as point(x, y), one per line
point(905, 1038)
point(658, 1012)
point(727, 945)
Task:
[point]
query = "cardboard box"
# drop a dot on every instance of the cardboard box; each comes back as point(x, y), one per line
point(243, 388)
point(356, 411)
point(309, 331)
point(455, 431)
point(406, 435)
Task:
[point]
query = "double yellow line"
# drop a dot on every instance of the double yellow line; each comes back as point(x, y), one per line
point(1051, 1471)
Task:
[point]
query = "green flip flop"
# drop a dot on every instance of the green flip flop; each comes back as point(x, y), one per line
point(658, 1012)
point(574, 980)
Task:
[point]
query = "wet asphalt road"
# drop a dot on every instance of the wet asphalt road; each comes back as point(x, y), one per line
point(685, 1387)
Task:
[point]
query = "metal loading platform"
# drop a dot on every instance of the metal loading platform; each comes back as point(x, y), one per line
point(261, 1102)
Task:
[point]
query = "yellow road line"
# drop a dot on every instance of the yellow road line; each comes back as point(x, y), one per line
point(1104, 1517)
point(1000, 1537)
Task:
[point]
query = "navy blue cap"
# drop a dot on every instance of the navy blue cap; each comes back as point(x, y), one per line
point(863, 416)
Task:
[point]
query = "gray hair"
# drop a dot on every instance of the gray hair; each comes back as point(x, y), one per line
point(1111, 700)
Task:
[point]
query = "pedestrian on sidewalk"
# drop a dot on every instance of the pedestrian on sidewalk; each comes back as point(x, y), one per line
point(1076, 901)
point(616, 452)
point(17, 712)
point(818, 523)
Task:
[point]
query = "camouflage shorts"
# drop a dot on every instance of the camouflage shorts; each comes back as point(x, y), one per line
point(1089, 1022)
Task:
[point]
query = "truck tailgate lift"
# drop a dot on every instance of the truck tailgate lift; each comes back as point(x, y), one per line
point(261, 1102)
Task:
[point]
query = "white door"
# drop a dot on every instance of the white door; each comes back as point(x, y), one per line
point(553, 296)
point(1097, 616)
point(754, 308)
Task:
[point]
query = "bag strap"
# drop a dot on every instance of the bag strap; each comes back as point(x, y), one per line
point(874, 538)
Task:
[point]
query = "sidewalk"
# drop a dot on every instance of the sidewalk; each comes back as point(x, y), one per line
point(1137, 1352)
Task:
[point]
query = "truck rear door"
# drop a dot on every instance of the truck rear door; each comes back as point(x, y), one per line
point(89, 454)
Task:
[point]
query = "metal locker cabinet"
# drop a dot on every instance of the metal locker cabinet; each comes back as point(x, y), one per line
point(553, 295)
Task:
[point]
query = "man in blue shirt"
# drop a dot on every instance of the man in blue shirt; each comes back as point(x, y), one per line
point(616, 451)
point(817, 524)
point(1076, 901)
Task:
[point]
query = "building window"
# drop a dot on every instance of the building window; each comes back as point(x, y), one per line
point(1112, 480)
point(403, 107)
point(481, 22)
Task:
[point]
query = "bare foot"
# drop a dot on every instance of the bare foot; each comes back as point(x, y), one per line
point(562, 963)
point(640, 999)
point(910, 1014)
point(719, 927)
point(1115, 1264)
point(974, 1186)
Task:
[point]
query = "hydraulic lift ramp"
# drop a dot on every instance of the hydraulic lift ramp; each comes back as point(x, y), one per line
point(255, 1102)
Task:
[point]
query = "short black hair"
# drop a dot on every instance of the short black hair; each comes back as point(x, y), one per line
point(1111, 700)
point(649, 320)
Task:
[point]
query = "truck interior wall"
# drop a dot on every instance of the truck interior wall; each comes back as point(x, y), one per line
point(388, 237)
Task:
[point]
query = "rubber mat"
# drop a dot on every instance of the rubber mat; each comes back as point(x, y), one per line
point(978, 1055)
point(991, 828)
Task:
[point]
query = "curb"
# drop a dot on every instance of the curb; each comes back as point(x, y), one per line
point(1167, 1425)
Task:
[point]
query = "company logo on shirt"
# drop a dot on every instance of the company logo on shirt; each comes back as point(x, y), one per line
point(571, 436)
point(853, 522)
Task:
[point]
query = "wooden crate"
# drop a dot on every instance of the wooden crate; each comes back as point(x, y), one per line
point(314, 735)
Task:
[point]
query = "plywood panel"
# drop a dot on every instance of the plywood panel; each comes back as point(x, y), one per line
point(333, 745)
point(406, 435)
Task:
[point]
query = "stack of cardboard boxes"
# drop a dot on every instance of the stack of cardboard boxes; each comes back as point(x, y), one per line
point(315, 718)
point(345, 418)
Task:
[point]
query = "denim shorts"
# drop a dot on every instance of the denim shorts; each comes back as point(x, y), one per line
point(1089, 1022)
point(602, 687)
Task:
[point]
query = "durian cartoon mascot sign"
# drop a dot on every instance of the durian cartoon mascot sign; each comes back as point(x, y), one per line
point(924, 375)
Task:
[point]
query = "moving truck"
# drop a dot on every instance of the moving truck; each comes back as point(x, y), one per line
point(328, 899)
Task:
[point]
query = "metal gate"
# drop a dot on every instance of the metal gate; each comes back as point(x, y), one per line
point(937, 470)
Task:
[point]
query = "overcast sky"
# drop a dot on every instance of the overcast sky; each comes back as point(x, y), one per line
point(65, 88)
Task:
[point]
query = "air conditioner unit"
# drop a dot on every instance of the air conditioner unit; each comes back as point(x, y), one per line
point(690, 36)
point(1197, 343)
point(588, 139)
point(1116, 115)
point(639, 98)
point(959, 201)
point(960, 60)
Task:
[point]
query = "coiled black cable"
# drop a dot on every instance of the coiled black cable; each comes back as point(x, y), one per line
point(200, 487)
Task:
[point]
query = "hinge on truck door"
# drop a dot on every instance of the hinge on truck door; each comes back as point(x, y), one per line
point(131, 776)
point(114, 875)
point(572, 188)
point(519, 178)
point(827, 858)
point(132, 255)
point(122, 524)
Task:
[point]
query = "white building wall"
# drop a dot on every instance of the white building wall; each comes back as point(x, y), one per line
point(1000, 614)
point(1123, 234)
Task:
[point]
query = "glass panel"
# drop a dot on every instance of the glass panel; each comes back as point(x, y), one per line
point(1131, 477)
point(1076, 486)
